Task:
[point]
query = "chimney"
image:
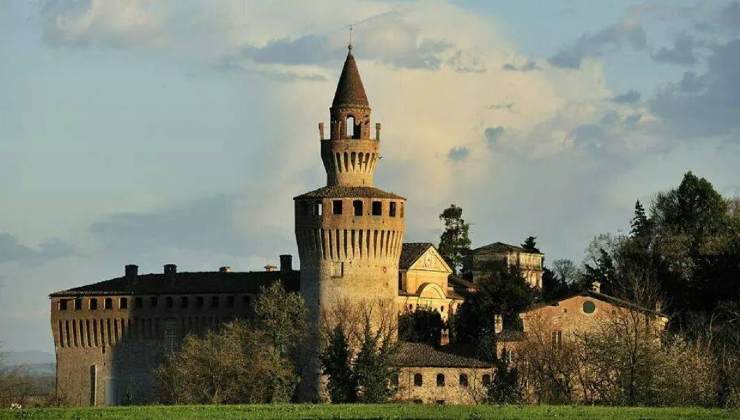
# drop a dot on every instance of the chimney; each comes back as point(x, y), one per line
point(444, 337)
point(270, 267)
point(596, 287)
point(286, 263)
point(132, 271)
point(224, 269)
point(170, 269)
point(498, 324)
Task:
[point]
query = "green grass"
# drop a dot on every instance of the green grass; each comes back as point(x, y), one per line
point(385, 411)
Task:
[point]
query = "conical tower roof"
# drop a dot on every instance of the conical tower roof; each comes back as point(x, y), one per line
point(349, 89)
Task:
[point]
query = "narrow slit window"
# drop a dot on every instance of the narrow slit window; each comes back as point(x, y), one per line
point(350, 127)
point(392, 209)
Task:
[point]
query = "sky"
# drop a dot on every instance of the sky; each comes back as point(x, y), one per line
point(178, 131)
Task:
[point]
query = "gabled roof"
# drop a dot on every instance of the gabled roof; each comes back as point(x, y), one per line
point(500, 246)
point(424, 355)
point(349, 89)
point(598, 296)
point(340, 191)
point(412, 251)
point(186, 283)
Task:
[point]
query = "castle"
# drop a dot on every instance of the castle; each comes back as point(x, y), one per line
point(108, 336)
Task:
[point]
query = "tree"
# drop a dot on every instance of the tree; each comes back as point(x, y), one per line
point(237, 364)
point(282, 315)
point(505, 387)
point(424, 325)
point(372, 368)
point(454, 244)
point(530, 244)
point(640, 224)
point(336, 361)
point(553, 286)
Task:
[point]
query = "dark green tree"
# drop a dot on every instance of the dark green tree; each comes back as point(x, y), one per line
point(336, 361)
point(424, 325)
point(640, 226)
point(553, 286)
point(372, 367)
point(530, 244)
point(505, 387)
point(454, 244)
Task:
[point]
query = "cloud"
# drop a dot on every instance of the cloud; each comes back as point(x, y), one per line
point(493, 134)
point(630, 97)
point(13, 251)
point(706, 104)
point(465, 62)
point(458, 153)
point(609, 39)
point(529, 65)
point(101, 23)
point(683, 51)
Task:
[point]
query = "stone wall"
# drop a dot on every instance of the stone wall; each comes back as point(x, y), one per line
point(459, 385)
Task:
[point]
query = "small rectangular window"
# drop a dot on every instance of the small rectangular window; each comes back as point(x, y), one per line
point(184, 302)
point(401, 209)
point(357, 204)
point(317, 210)
point(230, 301)
point(337, 269)
point(153, 302)
point(392, 209)
point(214, 302)
point(123, 303)
point(168, 301)
point(246, 300)
point(78, 304)
point(108, 303)
point(336, 207)
point(62, 304)
point(93, 304)
point(199, 301)
point(377, 208)
point(138, 303)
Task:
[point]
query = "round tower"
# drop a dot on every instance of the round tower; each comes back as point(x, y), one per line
point(349, 233)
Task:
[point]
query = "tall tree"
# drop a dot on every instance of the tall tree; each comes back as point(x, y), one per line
point(640, 224)
point(337, 365)
point(454, 244)
point(530, 244)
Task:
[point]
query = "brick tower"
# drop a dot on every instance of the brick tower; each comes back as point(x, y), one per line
point(349, 233)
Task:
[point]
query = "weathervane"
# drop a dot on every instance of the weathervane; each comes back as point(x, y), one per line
point(350, 38)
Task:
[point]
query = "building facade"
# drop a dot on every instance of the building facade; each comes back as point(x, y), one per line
point(529, 263)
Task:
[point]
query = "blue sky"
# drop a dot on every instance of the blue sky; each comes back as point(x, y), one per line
point(179, 131)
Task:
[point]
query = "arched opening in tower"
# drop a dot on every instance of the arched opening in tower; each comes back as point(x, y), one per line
point(350, 127)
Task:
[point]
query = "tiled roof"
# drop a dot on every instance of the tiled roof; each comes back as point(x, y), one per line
point(186, 283)
point(339, 191)
point(598, 296)
point(500, 246)
point(349, 89)
point(411, 251)
point(424, 355)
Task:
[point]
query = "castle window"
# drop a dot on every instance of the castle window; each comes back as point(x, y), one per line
point(169, 302)
point(62, 305)
point(93, 304)
point(377, 208)
point(317, 208)
point(214, 302)
point(394, 379)
point(350, 127)
point(184, 302)
point(123, 303)
point(401, 209)
point(138, 303)
point(589, 307)
point(246, 300)
point(464, 380)
point(486, 379)
point(230, 301)
point(357, 204)
point(108, 303)
point(199, 301)
point(418, 380)
point(153, 302)
point(392, 209)
point(78, 304)
point(442, 308)
point(336, 207)
point(337, 269)
point(440, 379)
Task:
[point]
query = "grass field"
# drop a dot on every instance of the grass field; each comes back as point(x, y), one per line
point(386, 411)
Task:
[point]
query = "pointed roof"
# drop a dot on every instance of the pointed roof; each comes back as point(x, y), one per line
point(349, 89)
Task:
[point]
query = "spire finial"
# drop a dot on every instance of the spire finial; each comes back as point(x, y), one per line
point(349, 47)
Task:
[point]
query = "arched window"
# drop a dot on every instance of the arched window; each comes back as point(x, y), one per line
point(486, 379)
point(418, 380)
point(463, 380)
point(440, 379)
point(357, 204)
point(108, 303)
point(123, 303)
point(351, 127)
